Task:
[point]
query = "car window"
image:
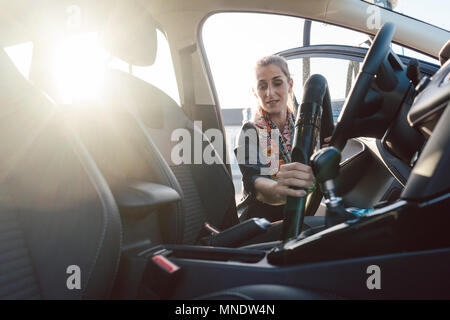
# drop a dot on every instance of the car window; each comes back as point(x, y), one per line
point(21, 55)
point(161, 74)
point(413, 54)
point(323, 33)
point(434, 12)
point(231, 52)
point(79, 62)
point(340, 75)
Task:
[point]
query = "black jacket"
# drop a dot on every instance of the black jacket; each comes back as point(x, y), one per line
point(251, 161)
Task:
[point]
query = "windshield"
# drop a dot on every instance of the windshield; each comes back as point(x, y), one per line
point(434, 12)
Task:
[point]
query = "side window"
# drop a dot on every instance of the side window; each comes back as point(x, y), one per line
point(398, 49)
point(340, 74)
point(161, 74)
point(232, 51)
point(79, 61)
point(324, 33)
point(21, 55)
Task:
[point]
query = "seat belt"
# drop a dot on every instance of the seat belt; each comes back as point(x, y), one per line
point(189, 95)
point(188, 79)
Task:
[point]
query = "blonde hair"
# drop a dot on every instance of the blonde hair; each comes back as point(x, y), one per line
point(281, 63)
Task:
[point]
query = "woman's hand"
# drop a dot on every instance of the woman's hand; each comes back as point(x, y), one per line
point(293, 175)
point(274, 192)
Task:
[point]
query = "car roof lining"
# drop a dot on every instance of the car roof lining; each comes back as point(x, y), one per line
point(18, 21)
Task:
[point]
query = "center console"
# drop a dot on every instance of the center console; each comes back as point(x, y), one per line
point(396, 237)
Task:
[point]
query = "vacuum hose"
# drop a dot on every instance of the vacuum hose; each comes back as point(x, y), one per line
point(314, 118)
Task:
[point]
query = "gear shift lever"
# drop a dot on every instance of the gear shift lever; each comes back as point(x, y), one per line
point(325, 165)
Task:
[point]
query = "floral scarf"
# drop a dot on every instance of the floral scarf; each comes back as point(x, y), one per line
point(265, 125)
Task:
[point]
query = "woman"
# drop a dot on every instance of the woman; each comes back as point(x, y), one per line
point(272, 128)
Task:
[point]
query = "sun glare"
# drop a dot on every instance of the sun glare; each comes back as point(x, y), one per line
point(80, 63)
point(21, 57)
point(79, 68)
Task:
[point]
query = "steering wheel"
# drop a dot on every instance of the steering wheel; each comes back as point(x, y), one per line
point(375, 57)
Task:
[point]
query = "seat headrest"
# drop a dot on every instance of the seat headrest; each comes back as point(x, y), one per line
point(444, 54)
point(130, 33)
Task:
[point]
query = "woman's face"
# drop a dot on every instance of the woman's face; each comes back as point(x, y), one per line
point(272, 88)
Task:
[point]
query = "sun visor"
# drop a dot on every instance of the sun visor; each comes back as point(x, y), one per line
point(130, 34)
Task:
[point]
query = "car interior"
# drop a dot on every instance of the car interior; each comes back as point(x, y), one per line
point(95, 185)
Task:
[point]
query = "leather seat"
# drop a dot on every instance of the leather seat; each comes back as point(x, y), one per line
point(56, 209)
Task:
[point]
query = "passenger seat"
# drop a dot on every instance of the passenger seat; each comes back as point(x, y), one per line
point(207, 190)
